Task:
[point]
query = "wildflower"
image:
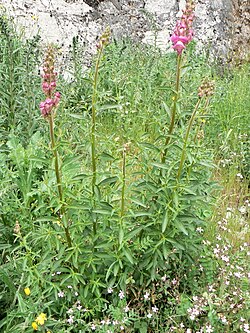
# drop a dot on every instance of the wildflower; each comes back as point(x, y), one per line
point(206, 88)
point(17, 228)
point(155, 309)
point(71, 319)
point(110, 290)
point(27, 291)
point(93, 327)
point(146, 296)
point(174, 281)
point(41, 319)
point(239, 175)
point(149, 315)
point(60, 294)
point(209, 329)
point(34, 326)
point(49, 84)
point(183, 32)
point(121, 294)
point(126, 309)
point(164, 278)
point(104, 39)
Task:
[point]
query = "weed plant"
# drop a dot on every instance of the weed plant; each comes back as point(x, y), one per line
point(115, 221)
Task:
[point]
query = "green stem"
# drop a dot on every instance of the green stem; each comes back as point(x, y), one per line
point(93, 127)
point(58, 177)
point(174, 108)
point(204, 111)
point(122, 212)
point(93, 130)
point(123, 183)
point(182, 160)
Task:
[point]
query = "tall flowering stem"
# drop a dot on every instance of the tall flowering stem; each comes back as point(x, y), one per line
point(182, 35)
point(48, 108)
point(174, 108)
point(104, 40)
point(204, 91)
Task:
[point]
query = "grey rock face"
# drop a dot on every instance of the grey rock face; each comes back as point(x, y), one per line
point(219, 24)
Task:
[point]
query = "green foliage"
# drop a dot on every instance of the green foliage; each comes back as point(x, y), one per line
point(145, 266)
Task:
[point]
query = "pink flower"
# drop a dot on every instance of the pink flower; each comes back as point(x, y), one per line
point(179, 47)
point(49, 84)
point(45, 87)
point(46, 107)
point(183, 32)
point(57, 97)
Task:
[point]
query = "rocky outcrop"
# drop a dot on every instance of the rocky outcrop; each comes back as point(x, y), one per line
point(241, 29)
point(220, 25)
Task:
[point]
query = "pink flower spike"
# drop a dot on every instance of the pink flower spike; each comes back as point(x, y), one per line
point(183, 32)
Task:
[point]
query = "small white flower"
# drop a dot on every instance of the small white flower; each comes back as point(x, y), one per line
point(76, 293)
point(164, 278)
point(70, 320)
point(174, 281)
point(121, 294)
point(110, 290)
point(126, 309)
point(155, 309)
point(209, 329)
point(93, 327)
point(149, 315)
point(60, 294)
point(224, 320)
point(238, 275)
point(146, 296)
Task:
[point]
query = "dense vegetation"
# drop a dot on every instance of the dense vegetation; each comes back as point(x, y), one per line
point(109, 222)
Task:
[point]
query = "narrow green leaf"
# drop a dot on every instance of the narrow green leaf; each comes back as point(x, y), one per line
point(164, 221)
point(121, 235)
point(181, 227)
point(109, 180)
point(161, 166)
point(77, 115)
point(128, 255)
